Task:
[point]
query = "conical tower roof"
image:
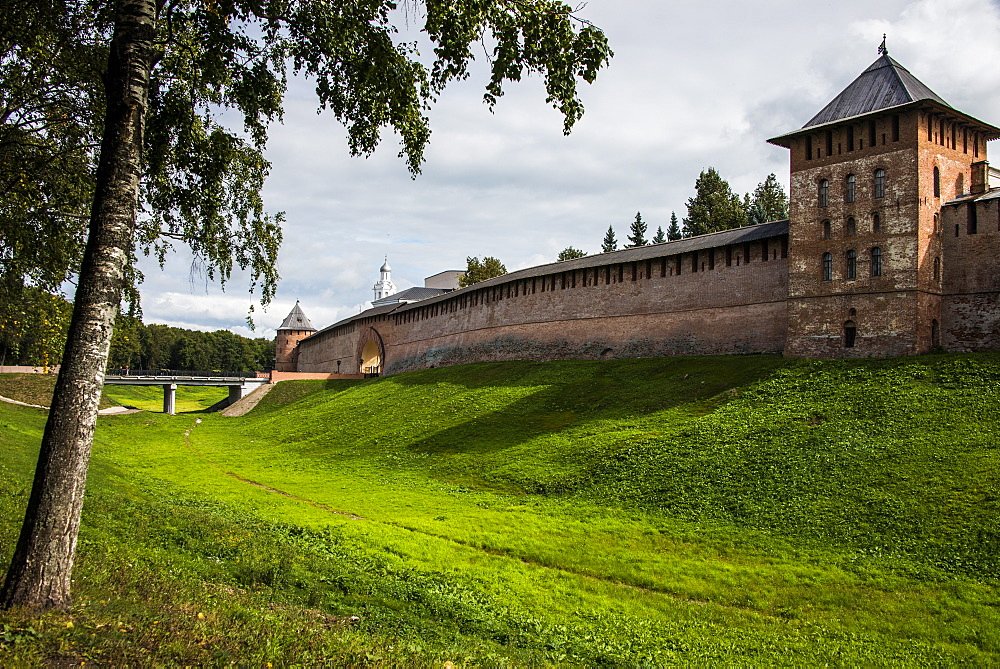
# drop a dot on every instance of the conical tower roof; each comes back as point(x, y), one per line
point(884, 84)
point(296, 320)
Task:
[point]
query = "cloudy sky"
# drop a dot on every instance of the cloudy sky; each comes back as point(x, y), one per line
point(693, 84)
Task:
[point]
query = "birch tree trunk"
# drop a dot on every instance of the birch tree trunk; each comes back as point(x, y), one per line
point(40, 572)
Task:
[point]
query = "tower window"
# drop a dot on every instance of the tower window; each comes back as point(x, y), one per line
point(895, 128)
point(876, 261)
point(809, 147)
point(937, 182)
point(850, 334)
point(852, 265)
point(965, 140)
point(827, 267)
point(824, 193)
point(826, 229)
point(850, 138)
point(937, 224)
point(937, 270)
point(871, 133)
point(851, 188)
point(829, 142)
point(852, 226)
point(876, 223)
point(880, 182)
point(972, 219)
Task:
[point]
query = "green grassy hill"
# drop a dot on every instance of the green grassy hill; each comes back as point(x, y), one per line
point(718, 510)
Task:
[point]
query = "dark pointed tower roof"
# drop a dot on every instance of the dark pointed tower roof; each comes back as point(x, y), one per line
point(884, 84)
point(296, 320)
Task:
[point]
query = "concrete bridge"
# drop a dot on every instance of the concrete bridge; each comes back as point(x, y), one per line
point(239, 386)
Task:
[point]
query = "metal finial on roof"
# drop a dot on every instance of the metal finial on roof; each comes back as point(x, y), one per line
point(882, 48)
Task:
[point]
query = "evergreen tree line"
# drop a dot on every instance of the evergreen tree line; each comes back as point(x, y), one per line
point(713, 208)
point(33, 332)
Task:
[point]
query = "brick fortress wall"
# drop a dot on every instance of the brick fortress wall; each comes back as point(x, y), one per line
point(725, 299)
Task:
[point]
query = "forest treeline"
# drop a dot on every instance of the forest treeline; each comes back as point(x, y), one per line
point(33, 332)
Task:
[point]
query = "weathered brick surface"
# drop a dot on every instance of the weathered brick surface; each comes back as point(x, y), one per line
point(893, 313)
point(739, 308)
point(970, 318)
point(286, 352)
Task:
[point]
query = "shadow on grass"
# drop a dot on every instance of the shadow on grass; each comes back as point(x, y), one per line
point(572, 393)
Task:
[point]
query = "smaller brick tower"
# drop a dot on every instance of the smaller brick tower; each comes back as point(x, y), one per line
point(294, 329)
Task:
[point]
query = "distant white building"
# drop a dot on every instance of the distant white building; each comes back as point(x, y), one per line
point(442, 282)
point(384, 287)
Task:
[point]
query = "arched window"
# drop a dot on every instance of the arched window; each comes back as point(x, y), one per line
point(852, 226)
point(850, 189)
point(937, 225)
point(850, 334)
point(824, 193)
point(852, 265)
point(880, 182)
point(827, 267)
point(876, 261)
point(826, 229)
point(937, 270)
point(876, 223)
point(937, 182)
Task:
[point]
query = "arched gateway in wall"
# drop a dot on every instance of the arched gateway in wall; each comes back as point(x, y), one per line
point(371, 352)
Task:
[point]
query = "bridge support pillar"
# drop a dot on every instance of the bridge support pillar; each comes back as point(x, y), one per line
point(170, 398)
point(236, 393)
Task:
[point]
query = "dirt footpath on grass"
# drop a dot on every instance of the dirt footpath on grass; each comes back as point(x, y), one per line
point(110, 411)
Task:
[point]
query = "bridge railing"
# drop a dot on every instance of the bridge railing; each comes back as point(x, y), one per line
point(213, 373)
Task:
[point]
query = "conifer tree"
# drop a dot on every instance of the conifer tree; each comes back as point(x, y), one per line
point(674, 231)
point(768, 202)
point(660, 237)
point(714, 207)
point(638, 230)
point(610, 243)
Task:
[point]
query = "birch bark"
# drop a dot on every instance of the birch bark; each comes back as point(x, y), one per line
point(40, 572)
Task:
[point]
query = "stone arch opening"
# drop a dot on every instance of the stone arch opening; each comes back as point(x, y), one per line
point(371, 353)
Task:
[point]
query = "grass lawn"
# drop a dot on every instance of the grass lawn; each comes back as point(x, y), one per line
point(716, 510)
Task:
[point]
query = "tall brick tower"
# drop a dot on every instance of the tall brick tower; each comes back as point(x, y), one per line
point(869, 174)
point(294, 328)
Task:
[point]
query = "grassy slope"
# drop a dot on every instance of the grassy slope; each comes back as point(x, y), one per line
point(627, 512)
